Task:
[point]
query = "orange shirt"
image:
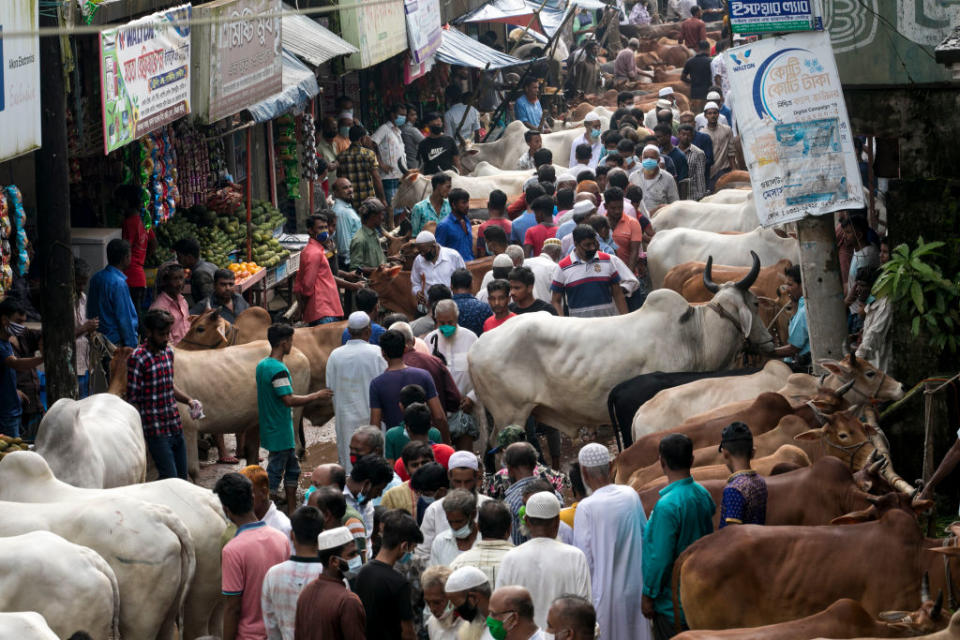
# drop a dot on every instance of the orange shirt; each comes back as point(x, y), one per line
point(314, 281)
point(628, 230)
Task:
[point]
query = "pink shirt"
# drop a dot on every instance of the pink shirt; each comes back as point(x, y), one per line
point(180, 312)
point(245, 561)
point(315, 282)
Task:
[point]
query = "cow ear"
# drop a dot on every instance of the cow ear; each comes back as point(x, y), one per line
point(472, 152)
point(854, 517)
point(832, 366)
point(810, 435)
point(922, 506)
point(947, 551)
point(746, 320)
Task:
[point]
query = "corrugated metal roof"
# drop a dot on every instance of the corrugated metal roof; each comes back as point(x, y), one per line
point(310, 40)
point(460, 49)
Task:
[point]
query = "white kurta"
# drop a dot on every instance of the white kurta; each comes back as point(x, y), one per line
point(350, 369)
point(548, 569)
point(542, 267)
point(454, 350)
point(444, 549)
point(435, 522)
point(608, 528)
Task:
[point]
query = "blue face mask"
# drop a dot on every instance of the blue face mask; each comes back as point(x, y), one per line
point(323, 236)
point(448, 330)
point(345, 131)
point(649, 164)
point(427, 499)
point(400, 121)
point(595, 133)
point(462, 532)
point(405, 558)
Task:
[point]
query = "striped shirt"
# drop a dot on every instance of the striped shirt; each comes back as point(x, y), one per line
point(587, 285)
point(281, 588)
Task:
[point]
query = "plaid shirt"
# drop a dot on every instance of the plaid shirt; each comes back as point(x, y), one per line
point(357, 165)
point(495, 484)
point(150, 389)
point(697, 163)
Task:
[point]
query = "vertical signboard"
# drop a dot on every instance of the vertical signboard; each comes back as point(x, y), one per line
point(379, 31)
point(423, 28)
point(144, 75)
point(771, 16)
point(19, 79)
point(794, 127)
point(237, 58)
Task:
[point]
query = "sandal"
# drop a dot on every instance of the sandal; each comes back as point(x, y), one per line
point(228, 460)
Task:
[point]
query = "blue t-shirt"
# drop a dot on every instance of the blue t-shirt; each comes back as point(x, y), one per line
point(375, 332)
point(9, 400)
point(518, 228)
point(526, 112)
point(798, 334)
point(385, 391)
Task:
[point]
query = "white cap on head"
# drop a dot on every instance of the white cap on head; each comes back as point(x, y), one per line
point(566, 177)
point(465, 578)
point(593, 116)
point(713, 95)
point(502, 260)
point(464, 459)
point(543, 505)
point(710, 105)
point(425, 237)
point(593, 455)
point(333, 538)
point(666, 91)
point(583, 206)
point(650, 147)
point(345, 115)
point(663, 103)
point(358, 320)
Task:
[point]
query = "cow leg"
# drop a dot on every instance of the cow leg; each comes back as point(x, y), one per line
point(251, 445)
point(193, 459)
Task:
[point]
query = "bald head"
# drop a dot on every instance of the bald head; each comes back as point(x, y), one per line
point(664, 115)
point(574, 613)
point(514, 598)
point(329, 475)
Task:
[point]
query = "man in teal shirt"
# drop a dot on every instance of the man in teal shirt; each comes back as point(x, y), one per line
point(275, 399)
point(797, 350)
point(683, 515)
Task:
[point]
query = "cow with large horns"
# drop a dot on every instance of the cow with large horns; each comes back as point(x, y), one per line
point(680, 338)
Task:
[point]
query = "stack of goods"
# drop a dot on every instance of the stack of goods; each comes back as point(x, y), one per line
point(267, 251)
point(289, 159)
point(158, 172)
point(9, 445)
point(193, 164)
point(308, 139)
point(18, 238)
point(244, 270)
point(6, 251)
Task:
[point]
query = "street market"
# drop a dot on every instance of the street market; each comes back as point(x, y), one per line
point(479, 320)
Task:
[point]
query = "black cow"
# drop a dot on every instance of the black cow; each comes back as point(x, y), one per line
point(627, 397)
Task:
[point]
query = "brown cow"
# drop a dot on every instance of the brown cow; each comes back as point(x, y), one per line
point(733, 180)
point(751, 575)
point(392, 284)
point(845, 618)
point(687, 279)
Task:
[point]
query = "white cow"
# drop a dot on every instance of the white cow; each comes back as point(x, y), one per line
point(707, 216)
point(146, 545)
point(486, 169)
point(729, 196)
point(25, 625)
point(415, 186)
point(563, 378)
point(507, 150)
point(676, 246)
point(25, 477)
point(672, 406)
point(96, 442)
point(70, 585)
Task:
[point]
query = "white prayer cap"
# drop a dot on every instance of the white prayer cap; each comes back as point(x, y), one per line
point(713, 95)
point(358, 321)
point(710, 105)
point(566, 177)
point(543, 505)
point(666, 91)
point(465, 459)
point(593, 455)
point(593, 116)
point(465, 578)
point(663, 103)
point(345, 115)
point(550, 241)
point(650, 147)
point(502, 260)
point(583, 206)
point(333, 538)
point(425, 237)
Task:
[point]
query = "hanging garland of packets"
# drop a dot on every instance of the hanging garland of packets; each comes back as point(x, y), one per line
point(308, 139)
point(13, 238)
point(287, 152)
point(158, 176)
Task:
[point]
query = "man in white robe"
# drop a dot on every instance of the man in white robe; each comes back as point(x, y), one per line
point(608, 528)
point(350, 369)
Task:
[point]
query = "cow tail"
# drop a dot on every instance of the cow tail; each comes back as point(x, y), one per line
point(104, 567)
point(675, 591)
point(188, 559)
point(613, 419)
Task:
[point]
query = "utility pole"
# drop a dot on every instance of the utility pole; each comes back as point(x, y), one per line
point(822, 287)
point(53, 225)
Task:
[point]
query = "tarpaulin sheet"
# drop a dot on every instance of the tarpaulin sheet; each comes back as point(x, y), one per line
point(299, 85)
point(460, 49)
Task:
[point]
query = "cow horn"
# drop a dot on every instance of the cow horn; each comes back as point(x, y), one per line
point(751, 277)
point(708, 282)
point(925, 588)
point(845, 387)
point(937, 606)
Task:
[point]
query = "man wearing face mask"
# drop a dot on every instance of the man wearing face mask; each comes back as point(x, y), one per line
point(384, 591)
point(433, 265)
point(342, 140)
point(571, 618)
point(460, 507)
point(468, 589)
point(510, 616)
point(367, 479)
point(314, 285)
point(336, 513)
point(437, 152)
point(591, 138)
point(388, 139)
point(443, 623)
point(326, 609)
point(325, 147)
point(10, 364)
point(587, 279)
point(659, 187)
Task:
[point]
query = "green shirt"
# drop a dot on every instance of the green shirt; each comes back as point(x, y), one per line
point(276, 418)
point(365, 249)
point(397, 438)
point(683, 515)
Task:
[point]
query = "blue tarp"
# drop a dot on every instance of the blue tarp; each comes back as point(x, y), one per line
point(299, 85)
point(460, 49)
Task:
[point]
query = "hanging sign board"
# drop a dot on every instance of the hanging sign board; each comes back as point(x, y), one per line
point(423, 28)
point(144, 75)
point(379, 31)
point(794, 127)
point(237, 59)
point(770, 16)
point(19, 79)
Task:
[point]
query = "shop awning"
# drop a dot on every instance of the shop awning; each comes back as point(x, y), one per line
point(311, 41)
point(520, 12)
point(460, 49)
point(299, 85)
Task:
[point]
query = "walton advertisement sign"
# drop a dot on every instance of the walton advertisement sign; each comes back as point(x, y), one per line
point(19, 79)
